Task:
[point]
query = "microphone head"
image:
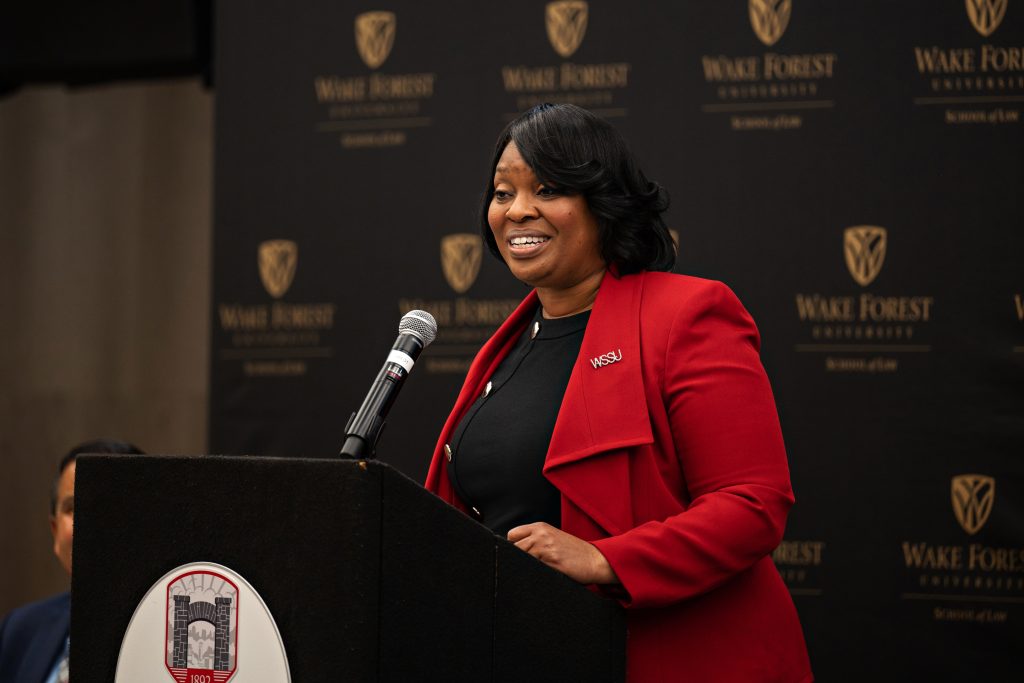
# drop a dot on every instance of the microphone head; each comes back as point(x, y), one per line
point(420, 324)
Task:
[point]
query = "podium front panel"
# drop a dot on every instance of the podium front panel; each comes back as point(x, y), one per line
point(304, 534)
point(368, 576)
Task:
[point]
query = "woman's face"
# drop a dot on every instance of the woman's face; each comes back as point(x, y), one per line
point(549, 240)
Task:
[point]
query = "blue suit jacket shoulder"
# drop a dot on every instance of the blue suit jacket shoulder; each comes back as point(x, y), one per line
point(31, 638)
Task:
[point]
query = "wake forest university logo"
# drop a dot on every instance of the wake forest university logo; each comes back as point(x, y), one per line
point(461, 254)
point(594, 86)
point(375, 36)
point(986, 15)
point(769, 19)
point(277, 260)
point(864, 248)
point(202, 627)
point(973, 496)
point(567, 24)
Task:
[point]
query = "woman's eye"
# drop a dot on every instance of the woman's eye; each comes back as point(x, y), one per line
point(501, 195)
point(547, 192)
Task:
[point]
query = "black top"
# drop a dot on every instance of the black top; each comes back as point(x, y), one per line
point(499, 447)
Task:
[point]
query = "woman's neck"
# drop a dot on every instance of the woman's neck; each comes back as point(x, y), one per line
point(560, 303)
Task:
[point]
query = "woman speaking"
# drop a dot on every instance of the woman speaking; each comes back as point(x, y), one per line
point(619, 426)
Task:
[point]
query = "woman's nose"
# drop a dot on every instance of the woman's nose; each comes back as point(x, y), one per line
point(522, 208)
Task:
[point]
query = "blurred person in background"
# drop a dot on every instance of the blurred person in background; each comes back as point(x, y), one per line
point(34, 637)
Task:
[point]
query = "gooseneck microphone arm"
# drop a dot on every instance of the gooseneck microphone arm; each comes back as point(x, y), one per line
point(415, 332)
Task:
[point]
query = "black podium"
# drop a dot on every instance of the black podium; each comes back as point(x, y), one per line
point(368, 576)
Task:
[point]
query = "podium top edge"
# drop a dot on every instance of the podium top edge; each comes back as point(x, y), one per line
point(234, 457)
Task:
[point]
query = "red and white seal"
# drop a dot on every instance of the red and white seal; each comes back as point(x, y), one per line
point(202, 623)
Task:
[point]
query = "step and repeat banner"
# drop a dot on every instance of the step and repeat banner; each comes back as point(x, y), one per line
point(854, 171)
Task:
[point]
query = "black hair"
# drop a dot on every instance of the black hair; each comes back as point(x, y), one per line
point(93, 446)
point(575, 151)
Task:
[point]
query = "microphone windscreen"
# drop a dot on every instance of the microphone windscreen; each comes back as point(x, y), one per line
point(419, 324)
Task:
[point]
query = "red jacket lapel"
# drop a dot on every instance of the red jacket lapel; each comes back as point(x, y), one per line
point(603, 413)
point(604, 410)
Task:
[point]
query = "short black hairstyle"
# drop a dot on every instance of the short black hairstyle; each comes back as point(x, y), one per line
point(92, 446)
point(578, 152)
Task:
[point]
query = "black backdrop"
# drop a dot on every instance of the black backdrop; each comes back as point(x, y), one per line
point(81, 43)
point(852, 170)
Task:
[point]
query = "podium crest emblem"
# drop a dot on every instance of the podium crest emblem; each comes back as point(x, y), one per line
point(186, 628)
point(461, 254)
point(769, 19)
point(864, 248)
point(566, 21)
point(375, 36)
point(986, 15)
point(973, 496)
point(202, 627)
point(277, 261)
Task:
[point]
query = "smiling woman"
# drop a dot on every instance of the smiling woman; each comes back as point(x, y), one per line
point(548, 237)
point(572, 152)
point(619, 426)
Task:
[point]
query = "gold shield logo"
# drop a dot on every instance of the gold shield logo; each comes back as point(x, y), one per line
point(864, 247)
point(567, 23)
point(460, 259)
point(375, 36)
point(277, 259)
point(986, 14)
point(769, 18)
point(973, 496)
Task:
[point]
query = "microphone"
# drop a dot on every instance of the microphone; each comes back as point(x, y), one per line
point(415, 332)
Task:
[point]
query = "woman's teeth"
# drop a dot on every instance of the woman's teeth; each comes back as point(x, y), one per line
point(527, 241)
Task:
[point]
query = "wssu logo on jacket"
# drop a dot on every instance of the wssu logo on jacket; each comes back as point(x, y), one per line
point(606, 359)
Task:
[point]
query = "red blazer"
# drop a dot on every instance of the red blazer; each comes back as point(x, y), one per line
point(671, 462)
